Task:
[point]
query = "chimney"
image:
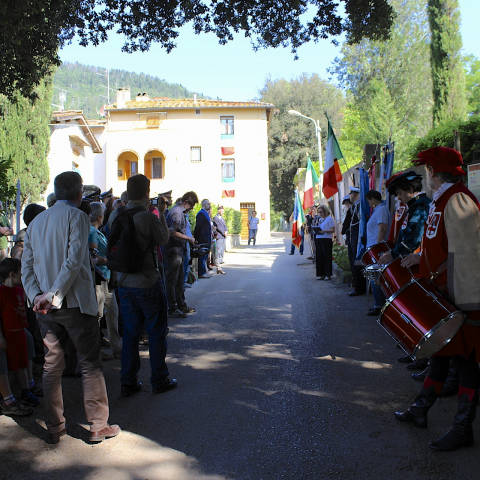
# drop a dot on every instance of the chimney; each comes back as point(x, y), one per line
point(142, 97)
point(194, 98)
point(123, 96)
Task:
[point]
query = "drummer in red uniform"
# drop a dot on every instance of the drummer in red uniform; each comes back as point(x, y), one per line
point(450, 256)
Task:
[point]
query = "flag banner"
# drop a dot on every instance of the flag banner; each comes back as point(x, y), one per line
point(372, 172)
point(364, 212)
point(311, 183)
point(331, 172)
point(387, 167)
point(228, 150)
point(228, 193)
point(298, 221)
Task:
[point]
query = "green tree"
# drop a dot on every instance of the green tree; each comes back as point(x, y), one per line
point(291, 137)
point(389, 85)
point(442, 136)
point(84, 87)
point(25, 139)
point(472, 81)
point(447, 69)
point(32, 30)
point(7, 190)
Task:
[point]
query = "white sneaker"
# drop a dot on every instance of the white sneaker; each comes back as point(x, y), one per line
point(320, 278)
point(205, 275)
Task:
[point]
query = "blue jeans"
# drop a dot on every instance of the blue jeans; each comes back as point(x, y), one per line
point(186, 266)
point(252, 234)
point(292, 249)
point(202, 265)
point(144, 306)
point(378, 295)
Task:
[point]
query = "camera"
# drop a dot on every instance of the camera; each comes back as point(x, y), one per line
point(167, 198)
point(199, 250)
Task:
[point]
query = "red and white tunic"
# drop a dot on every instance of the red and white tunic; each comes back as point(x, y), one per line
point(451, 254)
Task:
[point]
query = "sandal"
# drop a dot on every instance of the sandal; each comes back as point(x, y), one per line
point(220, 272)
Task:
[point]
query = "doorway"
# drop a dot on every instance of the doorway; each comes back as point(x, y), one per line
point(246, 210)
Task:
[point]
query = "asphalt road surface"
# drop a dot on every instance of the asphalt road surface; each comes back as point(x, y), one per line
point(280, 376)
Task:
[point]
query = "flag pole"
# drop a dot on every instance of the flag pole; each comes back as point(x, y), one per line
point(344, 159)
point(318, 133)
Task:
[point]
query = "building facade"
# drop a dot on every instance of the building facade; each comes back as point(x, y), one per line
point(217, 149)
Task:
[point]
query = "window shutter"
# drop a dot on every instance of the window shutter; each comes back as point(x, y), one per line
point(148, 168)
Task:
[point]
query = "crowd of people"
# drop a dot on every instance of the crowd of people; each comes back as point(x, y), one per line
point(126, 261)
point(430, 246)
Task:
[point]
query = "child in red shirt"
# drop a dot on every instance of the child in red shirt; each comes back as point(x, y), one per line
point(12, 336)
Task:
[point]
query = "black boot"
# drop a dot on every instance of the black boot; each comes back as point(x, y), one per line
point(417, 413)
point(461, 433)
point(418, 364)
point(451, 383)
point(420, 377)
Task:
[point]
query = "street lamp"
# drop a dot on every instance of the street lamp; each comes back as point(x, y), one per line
point(318, 133)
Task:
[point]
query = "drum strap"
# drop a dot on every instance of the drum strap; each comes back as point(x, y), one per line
point(441, 268)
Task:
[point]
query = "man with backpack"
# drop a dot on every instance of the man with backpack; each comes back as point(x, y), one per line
point(134, 234)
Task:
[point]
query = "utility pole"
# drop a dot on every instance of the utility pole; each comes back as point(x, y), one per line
point(107, 76)
point(62, 97)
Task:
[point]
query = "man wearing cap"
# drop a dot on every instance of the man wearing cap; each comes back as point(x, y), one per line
point(357, 276)
point(450, 247)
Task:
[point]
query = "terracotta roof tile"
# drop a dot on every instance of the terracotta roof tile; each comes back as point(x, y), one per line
point(189, 103)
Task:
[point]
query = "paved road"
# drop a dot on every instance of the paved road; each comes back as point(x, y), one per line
point(280, 377)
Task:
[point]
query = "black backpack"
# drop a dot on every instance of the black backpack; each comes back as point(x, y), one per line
point(123, 253)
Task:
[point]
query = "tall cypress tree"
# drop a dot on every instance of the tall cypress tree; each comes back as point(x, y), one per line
point(25, 139)
point(447, 71)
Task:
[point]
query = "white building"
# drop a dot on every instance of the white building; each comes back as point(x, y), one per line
point(217, 149)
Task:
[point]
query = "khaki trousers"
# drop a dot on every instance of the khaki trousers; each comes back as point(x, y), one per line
point(56, 327)
point(107, 304)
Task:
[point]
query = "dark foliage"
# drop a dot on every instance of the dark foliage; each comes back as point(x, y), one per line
point(32, 30)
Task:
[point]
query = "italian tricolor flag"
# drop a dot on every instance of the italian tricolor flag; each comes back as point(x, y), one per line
point(298, 221)
point(331, 173)
point(311, 182)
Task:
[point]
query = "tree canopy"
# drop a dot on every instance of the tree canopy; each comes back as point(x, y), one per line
point(31, 31)
point(389, 85)
point(447, 70)
point(25, 140)
point(472, 79)
point(290, 137)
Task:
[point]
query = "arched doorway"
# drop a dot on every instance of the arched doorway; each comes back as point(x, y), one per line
point(127, 165)
point(154, 165)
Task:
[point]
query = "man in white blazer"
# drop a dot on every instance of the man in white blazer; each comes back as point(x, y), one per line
point(57, 278)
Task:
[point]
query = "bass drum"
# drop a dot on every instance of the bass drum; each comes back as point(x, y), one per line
point(374, 252)
point(420, 319)
point(392, 276)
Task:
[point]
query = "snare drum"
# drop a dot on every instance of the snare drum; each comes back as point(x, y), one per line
point(373, 253)
point(392, 276)
point(372, 273)
point(420, 319)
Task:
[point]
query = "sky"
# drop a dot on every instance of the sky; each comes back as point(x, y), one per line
point(233, 72)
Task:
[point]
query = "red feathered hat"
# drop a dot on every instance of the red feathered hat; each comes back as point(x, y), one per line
point(442, 159)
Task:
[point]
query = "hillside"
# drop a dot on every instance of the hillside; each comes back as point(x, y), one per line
point(87, 91)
